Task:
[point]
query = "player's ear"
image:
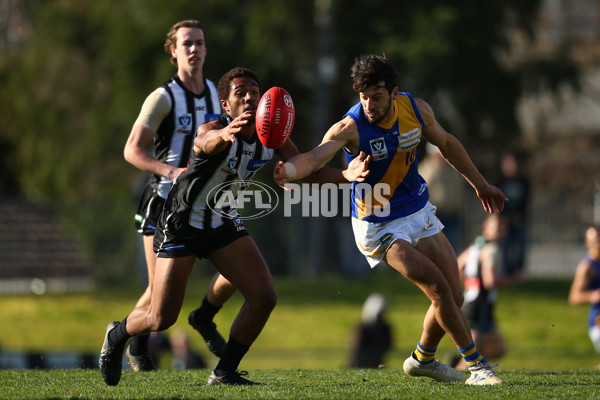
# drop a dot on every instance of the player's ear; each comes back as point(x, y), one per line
point(225, 106)
point(395, 93)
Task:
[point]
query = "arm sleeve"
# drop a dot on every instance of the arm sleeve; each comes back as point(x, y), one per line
point(154, 110)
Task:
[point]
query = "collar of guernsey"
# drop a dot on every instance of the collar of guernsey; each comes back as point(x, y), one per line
point(394, 188)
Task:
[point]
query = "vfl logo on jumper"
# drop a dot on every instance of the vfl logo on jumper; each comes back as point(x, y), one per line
point(252, 199)
point(239, 225)
point(230, 168)
point(378, 149)
point(185, 123)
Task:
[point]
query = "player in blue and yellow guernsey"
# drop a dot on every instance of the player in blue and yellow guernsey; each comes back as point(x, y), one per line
point(585, 288)
point(393, 221)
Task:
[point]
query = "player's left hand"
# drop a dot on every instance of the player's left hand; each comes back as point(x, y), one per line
point(280, 175)
point(490, 195)
point(357, 169)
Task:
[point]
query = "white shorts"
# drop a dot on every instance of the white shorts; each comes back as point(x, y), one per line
point(594, 332)
point(373, 239)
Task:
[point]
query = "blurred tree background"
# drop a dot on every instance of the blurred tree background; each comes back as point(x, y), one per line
point(74, 73)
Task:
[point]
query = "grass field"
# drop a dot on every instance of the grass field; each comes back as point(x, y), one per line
point(303, 351)
point(331, 384)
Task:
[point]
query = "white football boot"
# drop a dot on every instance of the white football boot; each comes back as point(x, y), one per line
point(483, 374)
point(436, 370)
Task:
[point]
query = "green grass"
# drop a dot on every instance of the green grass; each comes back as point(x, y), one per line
point(303, 350)
point(312, 325)
point(331, 384)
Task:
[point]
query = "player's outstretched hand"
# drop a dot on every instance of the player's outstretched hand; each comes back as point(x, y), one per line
point(357, 169)
point(280, 174)
point(490, 196)
point(228, 134)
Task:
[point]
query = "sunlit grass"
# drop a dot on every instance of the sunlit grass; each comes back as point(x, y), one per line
point(312, 325)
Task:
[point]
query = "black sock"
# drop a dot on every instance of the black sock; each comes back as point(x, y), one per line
point(139, 344)
point(119, 336)
point(207, 311)
point(234, 352)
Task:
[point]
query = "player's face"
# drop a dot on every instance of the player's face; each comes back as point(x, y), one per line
point(243, 96)
point(190, 50)
point(377, 103)
point(592, 238)
point(494, 229)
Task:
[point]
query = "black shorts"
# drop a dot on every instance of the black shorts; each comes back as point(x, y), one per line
point(146, 217)
point(176, 238)
point(480, 315)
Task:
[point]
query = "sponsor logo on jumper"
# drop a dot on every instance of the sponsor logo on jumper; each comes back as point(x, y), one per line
point(210, 117)
point(254, 165)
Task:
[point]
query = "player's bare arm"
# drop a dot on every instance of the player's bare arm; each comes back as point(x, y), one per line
point(579, 292)
point(136, 152)
point(357, 170)
point(455, 154)
point(342, 134)
point(212, 137)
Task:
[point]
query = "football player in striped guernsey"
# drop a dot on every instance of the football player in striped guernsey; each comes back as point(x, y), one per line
point(168, 121)
point(227, 155)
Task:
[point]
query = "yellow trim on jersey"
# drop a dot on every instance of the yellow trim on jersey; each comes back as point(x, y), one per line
point(409, 136)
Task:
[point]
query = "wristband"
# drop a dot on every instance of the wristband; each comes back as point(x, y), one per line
point(290, 170)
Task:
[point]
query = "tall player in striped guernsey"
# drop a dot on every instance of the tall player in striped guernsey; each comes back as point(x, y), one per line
point(394, 224)
point(169, 118)
point(225, 150)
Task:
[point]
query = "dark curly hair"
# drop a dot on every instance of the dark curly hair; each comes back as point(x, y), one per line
point(369, 70)
point(225, 82)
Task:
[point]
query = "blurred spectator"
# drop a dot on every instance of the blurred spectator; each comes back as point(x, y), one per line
point(480, 271)
point(183, 355)
point(373, 336)
point(515, 185)
point(158, 344)
point(446, 191)
point(585, 288)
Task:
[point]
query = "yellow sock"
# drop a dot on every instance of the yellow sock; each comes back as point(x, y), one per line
point(471, 355)
point(424, 355)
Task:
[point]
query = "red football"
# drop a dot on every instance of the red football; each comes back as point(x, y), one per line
point(275, 117)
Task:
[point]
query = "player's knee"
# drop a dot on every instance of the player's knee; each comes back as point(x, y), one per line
point(269, 300)
point(162, 322)
point(439, 292)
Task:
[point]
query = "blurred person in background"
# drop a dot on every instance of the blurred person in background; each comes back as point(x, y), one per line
point(446, 190)
point(373, 336)
point(480, 268)
point(184, 357)
point(585, 288)
point(515, 184)
point(168, 119)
